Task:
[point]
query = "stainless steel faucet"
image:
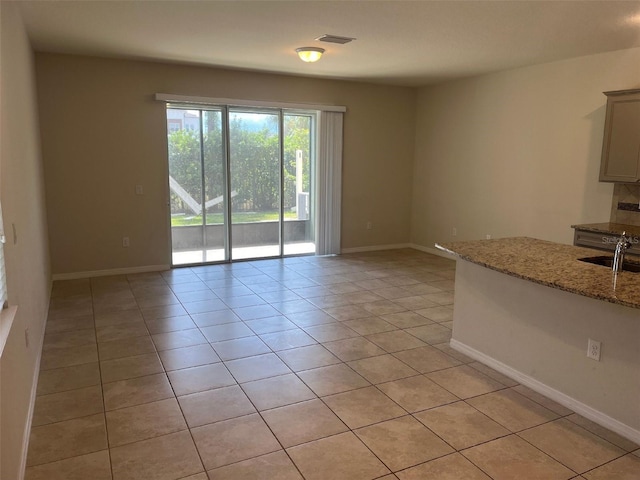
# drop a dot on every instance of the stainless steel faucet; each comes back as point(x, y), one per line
point(621, 248)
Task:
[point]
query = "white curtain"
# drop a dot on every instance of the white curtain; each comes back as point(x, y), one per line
point(329, 183)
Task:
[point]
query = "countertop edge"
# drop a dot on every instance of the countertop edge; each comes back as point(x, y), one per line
point(539, 281)
point(608, 228)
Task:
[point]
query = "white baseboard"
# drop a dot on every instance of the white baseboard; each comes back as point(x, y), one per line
point(432, 250)
point(113, 271)
point(374, 248)
point(26, 434)
point(564, 400)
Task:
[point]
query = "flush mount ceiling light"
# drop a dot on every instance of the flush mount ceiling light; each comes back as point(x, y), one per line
point(310, 54)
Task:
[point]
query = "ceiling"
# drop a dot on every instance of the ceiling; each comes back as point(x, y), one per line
point(399, 42)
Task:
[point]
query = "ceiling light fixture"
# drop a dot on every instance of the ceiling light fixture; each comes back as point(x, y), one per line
point(310, 54)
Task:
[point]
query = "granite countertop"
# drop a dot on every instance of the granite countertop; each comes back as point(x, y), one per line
point(552, 264)
point(609, 228)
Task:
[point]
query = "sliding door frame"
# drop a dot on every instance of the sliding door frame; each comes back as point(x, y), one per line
point(281, 186)
point(226, 180)
point(279, 112)
point(325, 176)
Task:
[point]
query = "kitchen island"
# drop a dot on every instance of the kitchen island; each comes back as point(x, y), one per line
point(528, 307)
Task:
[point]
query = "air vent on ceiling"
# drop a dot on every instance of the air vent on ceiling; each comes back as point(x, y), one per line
point(335, 39)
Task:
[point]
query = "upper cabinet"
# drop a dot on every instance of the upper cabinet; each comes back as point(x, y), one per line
point(621, 144)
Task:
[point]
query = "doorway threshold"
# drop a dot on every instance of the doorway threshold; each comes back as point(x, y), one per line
point(213, 255)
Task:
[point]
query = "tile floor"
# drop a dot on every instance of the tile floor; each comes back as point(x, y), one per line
point(314, 368)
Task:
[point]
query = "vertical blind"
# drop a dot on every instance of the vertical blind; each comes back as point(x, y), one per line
point(329, 183)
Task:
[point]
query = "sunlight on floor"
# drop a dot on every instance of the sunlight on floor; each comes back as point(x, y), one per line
point(191, 257)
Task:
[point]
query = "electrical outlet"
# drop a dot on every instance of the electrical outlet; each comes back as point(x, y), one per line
point(454, 231)
point(488, 237)
point(369, 225)
point(26, 337)
point(125, 241)
point(593, 349)
point(139, 190)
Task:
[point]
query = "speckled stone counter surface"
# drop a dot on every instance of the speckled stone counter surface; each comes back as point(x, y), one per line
point(552, 264)
point(609, 228)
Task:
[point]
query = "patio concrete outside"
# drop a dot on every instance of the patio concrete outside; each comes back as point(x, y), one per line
point(249, 240)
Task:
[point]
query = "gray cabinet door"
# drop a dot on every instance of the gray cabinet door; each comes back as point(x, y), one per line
point(621, 143)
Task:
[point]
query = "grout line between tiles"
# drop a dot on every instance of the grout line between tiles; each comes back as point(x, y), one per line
point(104, 407)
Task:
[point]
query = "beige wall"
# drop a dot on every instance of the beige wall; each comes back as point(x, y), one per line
point(510, 153)
point(515, 152)
point(544, 333)
point(102, 133)
point(27, 261)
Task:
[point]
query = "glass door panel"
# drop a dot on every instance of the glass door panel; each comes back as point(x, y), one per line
point(254, 166)
point(196, 185)
point(298, 234)
point(213, 153)
point(185, 185)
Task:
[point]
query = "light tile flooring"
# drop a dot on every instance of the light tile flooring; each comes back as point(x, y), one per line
point(315, 368)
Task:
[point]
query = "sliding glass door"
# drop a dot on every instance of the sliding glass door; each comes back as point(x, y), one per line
point(254, 159)
point(197, 183)
point(214, 184)
point(240, 183)
point(298, 178)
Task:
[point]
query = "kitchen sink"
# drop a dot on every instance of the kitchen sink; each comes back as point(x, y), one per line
point(607, 261)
